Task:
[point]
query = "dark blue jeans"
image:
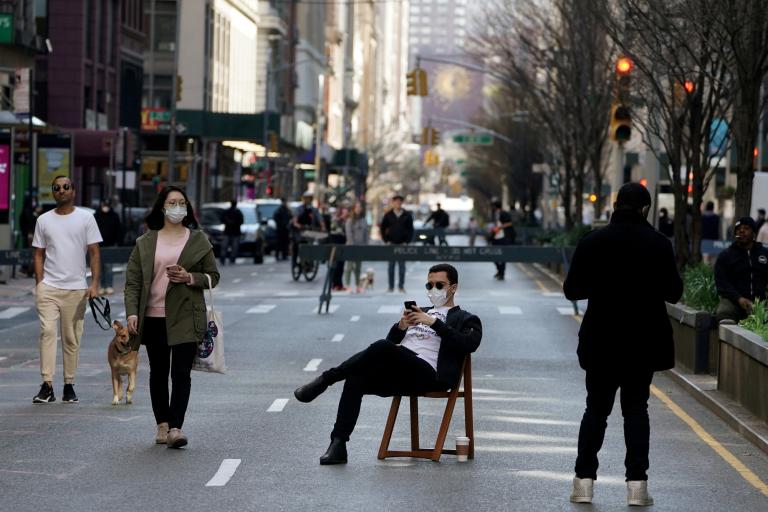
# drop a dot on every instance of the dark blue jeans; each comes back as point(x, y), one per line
point(400, 274)
point(601, 393)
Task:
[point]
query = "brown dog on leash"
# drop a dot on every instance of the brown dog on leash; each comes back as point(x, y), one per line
point(123, 361)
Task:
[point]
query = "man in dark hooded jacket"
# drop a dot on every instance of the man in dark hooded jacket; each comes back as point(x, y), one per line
point(741, 273)
point(627, 272)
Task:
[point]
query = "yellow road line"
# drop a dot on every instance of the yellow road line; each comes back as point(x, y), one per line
point(533, 277)
point(721, 450)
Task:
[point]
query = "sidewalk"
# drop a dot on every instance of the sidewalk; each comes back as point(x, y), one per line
point(17, 287)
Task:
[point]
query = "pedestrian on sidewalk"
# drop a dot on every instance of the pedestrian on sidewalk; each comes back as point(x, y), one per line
point(627, 272)
point(397, 229)
point(164, 302)
point(741, 274)
point(111, 230)
point(232, 219)
point(282, 218)
point(440, 222)
point(423, 352)
point(358, 233)
point(62, 237)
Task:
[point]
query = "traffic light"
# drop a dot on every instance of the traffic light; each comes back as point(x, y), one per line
point(430, 136)
point(416, 82)
point(624, 68)
point(621, 123)
point(273, 142)
point(179, 87)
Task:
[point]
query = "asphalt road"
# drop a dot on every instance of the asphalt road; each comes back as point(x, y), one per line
point(529, 397)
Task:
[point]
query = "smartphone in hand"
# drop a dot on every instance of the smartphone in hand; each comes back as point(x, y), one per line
point(409, 305)
point(173, 268)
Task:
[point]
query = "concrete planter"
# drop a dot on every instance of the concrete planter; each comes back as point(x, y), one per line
point(743, 373)
point(696, 341)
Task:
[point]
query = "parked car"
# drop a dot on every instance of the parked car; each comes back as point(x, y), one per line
point(265, 208)
point(252, 239)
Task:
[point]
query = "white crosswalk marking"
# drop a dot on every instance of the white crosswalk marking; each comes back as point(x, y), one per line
point(261, 309)
point(287, 294)
point(278, 405)
point(337, 337)
point(12, 312)
point(566, 310)
point(355, 318)
point(225, 472)
point(254, 274)
point(331, 309)
point(237, 280)
point(312, 365)
point(553, 294)
point(510, 310)
point(390, 310)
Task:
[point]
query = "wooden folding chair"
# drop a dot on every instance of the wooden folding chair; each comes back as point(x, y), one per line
point(433, 453)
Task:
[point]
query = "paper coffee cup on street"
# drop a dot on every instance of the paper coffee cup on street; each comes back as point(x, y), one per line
point(462, 448)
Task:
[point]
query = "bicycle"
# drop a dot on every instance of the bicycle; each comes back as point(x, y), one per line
point(307, 268)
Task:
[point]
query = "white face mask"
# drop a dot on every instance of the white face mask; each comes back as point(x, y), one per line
point(175, 214)
point(438, 298)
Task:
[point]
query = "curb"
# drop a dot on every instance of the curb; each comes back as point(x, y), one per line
point(743, 425)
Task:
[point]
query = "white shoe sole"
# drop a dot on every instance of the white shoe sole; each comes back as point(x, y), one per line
point(640, 503)
point(580, 499)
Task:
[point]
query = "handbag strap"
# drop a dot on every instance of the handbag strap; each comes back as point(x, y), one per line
point(210, 291)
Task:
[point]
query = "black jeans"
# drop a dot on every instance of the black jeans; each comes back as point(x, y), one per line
point(177, 360)
point(283, 240)
point(601, 393)
point(382, 369)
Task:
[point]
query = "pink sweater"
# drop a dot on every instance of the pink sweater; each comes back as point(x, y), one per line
point(166, 254)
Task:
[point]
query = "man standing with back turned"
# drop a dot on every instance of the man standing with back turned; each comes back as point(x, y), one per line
point(62, 236)
point(627, 272)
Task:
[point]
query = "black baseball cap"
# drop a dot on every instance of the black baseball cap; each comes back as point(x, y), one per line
point(398, 197)
point(746, 221)
point(633, 195)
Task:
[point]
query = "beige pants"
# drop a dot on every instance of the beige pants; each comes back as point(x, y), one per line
point(67, 308)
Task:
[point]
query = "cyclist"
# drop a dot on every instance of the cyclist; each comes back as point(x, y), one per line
point(305, 217)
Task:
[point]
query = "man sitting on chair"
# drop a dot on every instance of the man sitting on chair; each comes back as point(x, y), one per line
point(423, 352)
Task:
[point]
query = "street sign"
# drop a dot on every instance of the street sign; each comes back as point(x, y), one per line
point(6, 28)
point(478, 139)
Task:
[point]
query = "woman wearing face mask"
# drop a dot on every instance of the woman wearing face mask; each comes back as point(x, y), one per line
point(164, 302)
point(423, 352)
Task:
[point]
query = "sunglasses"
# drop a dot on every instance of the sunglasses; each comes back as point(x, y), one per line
point(58, 187)
point(439, 285)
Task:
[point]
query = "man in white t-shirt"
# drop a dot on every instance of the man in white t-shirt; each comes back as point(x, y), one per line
point(423, 352)
point(62, 237)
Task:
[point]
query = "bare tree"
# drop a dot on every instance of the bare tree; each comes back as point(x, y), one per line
point(744, 29)
point(680, 91)
point(556, 54)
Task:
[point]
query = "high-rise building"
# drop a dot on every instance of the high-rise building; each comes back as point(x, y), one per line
point(441, 29)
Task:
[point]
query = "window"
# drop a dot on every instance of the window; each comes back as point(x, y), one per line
point(165, 32)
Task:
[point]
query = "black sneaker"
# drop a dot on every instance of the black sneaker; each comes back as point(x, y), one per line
point(45, 395)
point(69, 394)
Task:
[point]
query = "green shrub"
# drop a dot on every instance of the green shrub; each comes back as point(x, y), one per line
point(757, 321)
point(699, 291)
point(571, 238)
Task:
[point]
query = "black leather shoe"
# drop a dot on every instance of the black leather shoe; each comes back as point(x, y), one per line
point(335, 454)
point(311, 390)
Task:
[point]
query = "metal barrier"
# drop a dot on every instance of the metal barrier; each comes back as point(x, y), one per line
point(24, 256)
point(332, 253)
point(525, 235)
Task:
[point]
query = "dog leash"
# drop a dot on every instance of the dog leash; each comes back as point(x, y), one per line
point(100, 305)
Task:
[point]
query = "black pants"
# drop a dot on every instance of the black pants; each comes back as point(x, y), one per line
point(400, 274)
point(601, 393)
point(177, 360)
point(382, 369)
point(281, 250)
point(501, 266)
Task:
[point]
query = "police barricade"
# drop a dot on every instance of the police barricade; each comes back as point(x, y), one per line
point(714, 247)
point(525, 235)
point(24, 256)
point(331, 253)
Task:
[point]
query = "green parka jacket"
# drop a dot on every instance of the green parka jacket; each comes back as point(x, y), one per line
point(185, 313)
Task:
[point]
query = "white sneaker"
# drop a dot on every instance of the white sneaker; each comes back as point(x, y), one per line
point(582, 490)
point(637, 493)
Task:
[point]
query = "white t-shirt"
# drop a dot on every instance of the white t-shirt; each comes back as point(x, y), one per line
point(424, 340)
point(65, 239)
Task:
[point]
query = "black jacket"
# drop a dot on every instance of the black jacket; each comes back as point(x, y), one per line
point(232, 219)
point(397, 230)
point(627, 272)
point(110, 227)
point(460, 335)
point(282, 217)
point(739, 273)
point(439, 218)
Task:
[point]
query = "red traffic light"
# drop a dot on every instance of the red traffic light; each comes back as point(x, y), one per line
point(624, 65)
point(689, 86)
